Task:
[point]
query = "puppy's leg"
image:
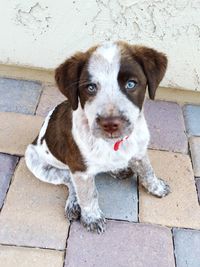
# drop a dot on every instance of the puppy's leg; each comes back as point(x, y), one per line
point(147, 177)
point(50, 174)
point(91, 215)
point(72, 207)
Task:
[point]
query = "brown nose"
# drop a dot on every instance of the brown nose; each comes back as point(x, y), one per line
point(109, 124)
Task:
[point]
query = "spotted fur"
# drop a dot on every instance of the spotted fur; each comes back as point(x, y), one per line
point(72, 147)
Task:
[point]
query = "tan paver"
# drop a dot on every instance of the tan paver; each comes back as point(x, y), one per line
point(50, 98)
point(33, 213)
point(180, 208)
point(17, 131)
point(30, 257)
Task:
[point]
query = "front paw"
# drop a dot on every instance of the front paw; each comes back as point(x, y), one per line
point(94, 222)
point(160, 188)
point(72, 210)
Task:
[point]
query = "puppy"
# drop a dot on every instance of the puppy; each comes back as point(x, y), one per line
point(101, 128)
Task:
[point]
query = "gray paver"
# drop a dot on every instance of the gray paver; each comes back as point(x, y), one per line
point(187, 247)
point(192, 119)
point(122, 245)
point(166, 125)
point(195, 154)
point(118, 198)
point(19, 96)
point(7, 167)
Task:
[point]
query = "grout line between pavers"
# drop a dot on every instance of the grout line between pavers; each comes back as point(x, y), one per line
point(146, 223)
point(120, 220)
point(152, 224)
point(198, 193)
point(16, 246)
point(173, 244)
point(65, 252)
point(11, 180)
point(195, 181)
point(171, 151)
point(185, 129)
point(138, 199)
point(39, 98)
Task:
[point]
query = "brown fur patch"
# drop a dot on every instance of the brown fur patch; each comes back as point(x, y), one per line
point(68, 74)
point(59, 138)
point(153, 63)
point(130, 69)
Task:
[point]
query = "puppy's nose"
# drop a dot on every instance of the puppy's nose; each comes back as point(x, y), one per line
point(109, 124)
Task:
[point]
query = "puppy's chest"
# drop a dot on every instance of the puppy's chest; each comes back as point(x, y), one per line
point(101, 156)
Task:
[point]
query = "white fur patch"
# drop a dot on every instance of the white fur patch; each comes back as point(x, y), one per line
point(100, 155)
point(108, 51)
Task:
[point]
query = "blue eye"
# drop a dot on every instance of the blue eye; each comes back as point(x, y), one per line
point(92, 88)
point(130, 84)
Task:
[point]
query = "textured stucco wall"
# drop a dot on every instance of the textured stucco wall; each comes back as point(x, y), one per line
point(43, 33)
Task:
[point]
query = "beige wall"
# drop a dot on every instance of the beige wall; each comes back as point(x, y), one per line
point(42, 33)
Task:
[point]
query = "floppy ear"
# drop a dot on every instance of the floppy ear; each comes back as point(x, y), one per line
point(67, 77)
point(154, 65)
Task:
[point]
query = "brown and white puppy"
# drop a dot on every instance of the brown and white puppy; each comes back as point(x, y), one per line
point(105, 87)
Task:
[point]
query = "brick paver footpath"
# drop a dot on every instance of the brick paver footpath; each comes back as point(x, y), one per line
point(123, 244)
point(19, 130)
point(166, 124)
point(49, 99)
point(195, 152)
point(181, 207)
point(7, 167)
point(33, 214)
point(198, 188)
point(30, 257)
point(192, 115)
point(118, 198)
point(141, 230)
point(187, 247)
point(19, 96)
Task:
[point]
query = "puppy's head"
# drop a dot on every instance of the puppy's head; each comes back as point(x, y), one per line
point(109, 83)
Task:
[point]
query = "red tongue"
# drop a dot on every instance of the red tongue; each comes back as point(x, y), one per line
point(117, 144)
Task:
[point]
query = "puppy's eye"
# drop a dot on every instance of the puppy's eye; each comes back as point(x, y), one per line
point(92, 88)
point(130, 84)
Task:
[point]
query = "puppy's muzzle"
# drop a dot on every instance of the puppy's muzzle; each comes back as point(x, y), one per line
point(110, 125)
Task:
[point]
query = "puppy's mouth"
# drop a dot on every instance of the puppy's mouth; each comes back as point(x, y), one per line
point(113, 136)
